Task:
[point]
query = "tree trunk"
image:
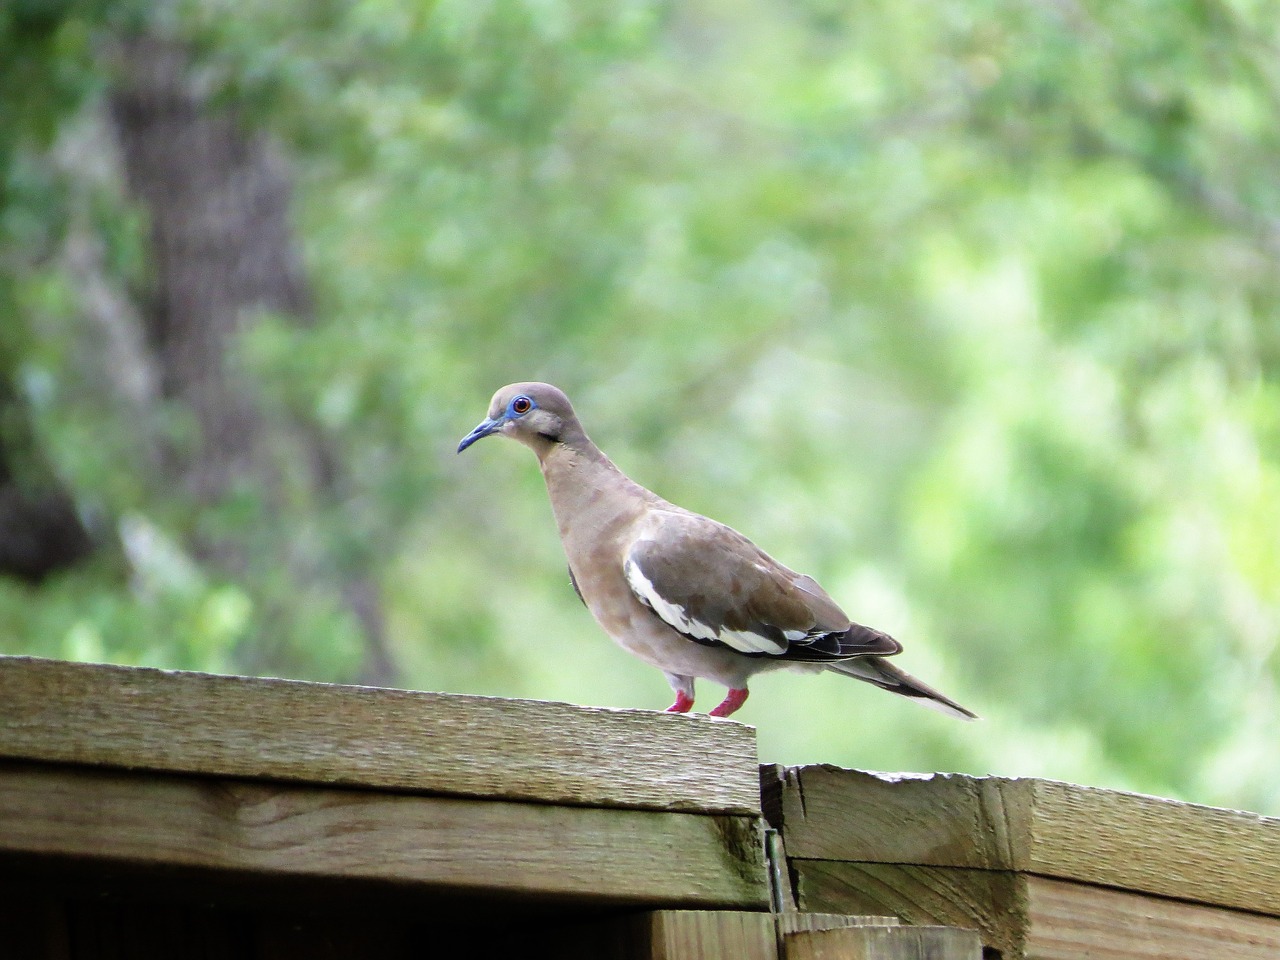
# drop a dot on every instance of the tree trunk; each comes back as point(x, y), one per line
point(218, 196)
point(218, 199)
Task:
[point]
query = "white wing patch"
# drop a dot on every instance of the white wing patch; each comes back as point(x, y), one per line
point(644, 589)
point(744, 641)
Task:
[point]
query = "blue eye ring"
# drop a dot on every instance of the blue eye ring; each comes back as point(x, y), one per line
point(521, 405)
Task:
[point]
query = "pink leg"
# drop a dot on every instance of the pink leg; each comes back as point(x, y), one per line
point(732, 702)
point(683, 704)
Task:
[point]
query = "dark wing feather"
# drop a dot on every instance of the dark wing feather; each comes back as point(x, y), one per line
point(573, 582)
point(716, 587)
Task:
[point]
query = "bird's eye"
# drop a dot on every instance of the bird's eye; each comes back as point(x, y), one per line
point(521, 405)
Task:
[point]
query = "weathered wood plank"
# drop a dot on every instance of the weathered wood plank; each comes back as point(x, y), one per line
point(796, 922)
point(1221, 857)
point(689, 935)
point(883, 943)
point(712, 935)
point(1025, 916)
point(659, 935)
point(1074, 921)
point(992, 902)
point(500, 849)
point(361, 736)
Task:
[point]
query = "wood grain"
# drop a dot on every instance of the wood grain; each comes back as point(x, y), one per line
point(992, 902)
point(500, 849)
point(796, 922)
point(694, 935)
point(1221, 857)
point(661, 935)
point(159, 720)
point(1074, 921)
point(883, 943)
point(1026, 916)
point(712, 935)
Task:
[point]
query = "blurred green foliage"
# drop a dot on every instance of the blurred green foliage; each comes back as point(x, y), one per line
point(967, 309)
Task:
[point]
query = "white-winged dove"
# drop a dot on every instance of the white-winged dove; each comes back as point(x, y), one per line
point(688, 595)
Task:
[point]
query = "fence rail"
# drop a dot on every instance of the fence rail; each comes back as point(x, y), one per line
point(144, 812)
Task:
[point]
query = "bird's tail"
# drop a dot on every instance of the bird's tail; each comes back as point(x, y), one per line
point(885, 675)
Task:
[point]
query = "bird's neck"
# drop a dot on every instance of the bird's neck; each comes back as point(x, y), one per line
point(589, 495)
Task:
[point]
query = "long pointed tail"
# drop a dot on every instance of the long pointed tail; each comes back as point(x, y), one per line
point(888, 677)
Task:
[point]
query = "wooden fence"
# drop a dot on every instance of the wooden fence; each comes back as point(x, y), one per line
point(146, 813)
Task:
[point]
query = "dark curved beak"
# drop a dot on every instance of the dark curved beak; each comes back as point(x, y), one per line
point(480, 432)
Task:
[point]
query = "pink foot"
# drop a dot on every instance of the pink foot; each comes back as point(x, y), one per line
point(683, 704)
point(732, 702)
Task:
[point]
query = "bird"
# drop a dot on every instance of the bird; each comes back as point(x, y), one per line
point(685, 593)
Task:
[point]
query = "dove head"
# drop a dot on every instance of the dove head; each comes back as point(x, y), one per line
point(537, 414)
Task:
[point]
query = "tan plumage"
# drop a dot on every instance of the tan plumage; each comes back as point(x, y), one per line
point(688, 595)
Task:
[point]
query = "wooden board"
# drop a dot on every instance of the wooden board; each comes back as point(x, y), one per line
point(690, 935)
point(289, 831)
point(1074, 921)
point(711, 935)
point(883, 943)
point(655, 935)
point(1220, 857)
point(1022, 915)
point(989, 901)
point(362, 736)
point(796, 922)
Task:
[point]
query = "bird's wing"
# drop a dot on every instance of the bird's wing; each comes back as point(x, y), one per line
point(716, 587)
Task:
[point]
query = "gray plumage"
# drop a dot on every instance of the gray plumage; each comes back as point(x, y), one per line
point(685, 593)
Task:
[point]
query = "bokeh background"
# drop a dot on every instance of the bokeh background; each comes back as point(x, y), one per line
point(968, 308)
